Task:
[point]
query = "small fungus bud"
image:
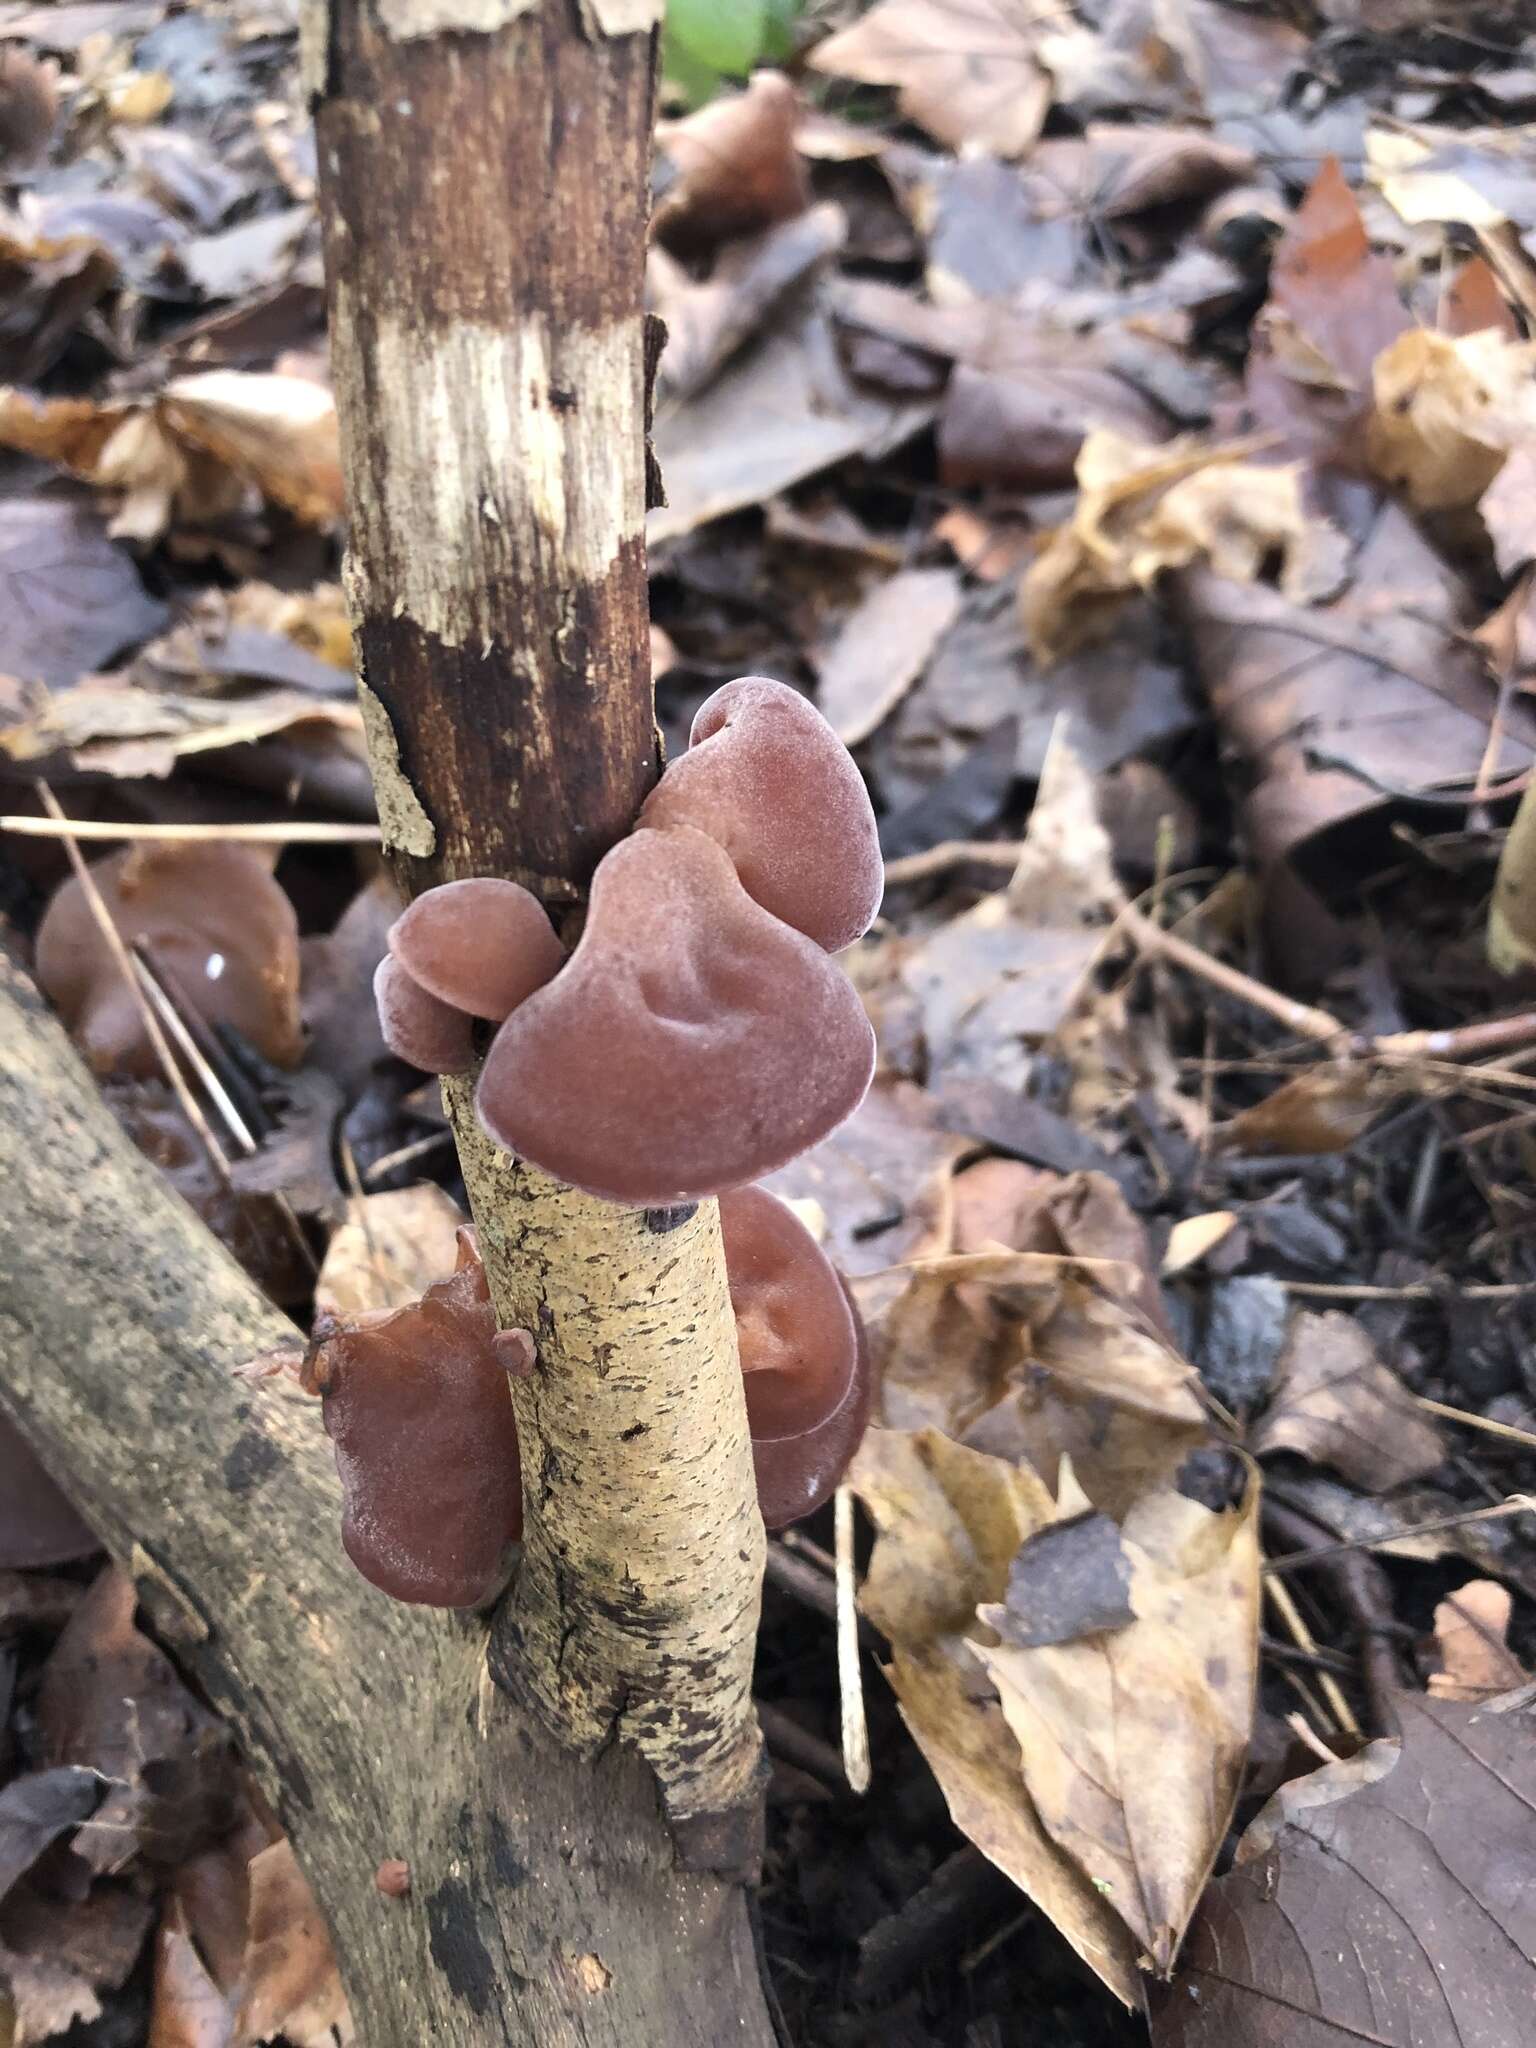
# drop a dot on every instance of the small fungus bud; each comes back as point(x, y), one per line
point(215, 922)
point(482, 945)
point(393, 1877)
point(795, 1330)
point(768, 778)
point(417, 1027)
point(798, 1474)
point(691, 1043)
point(419, 1409)
point(516, 1352)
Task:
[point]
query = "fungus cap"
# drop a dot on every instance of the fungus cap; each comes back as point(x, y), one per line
point(798, 1474)
point(419, 1411)
point(482, 945)
point(217, 925)
point(768, 778)
point(795, 1331)
point(417, 1027)
point(691, 1043)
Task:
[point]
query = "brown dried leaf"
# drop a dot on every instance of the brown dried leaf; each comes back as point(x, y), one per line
point(1476, 1662)
point(950, 1522)
point(1324, 1109)
point(69, 599)
point(292, 1985)
point(882, 648)
point(1448, 409)
point(732, 167)
point(38, 1523)
point(188, 2009)
point(394, 1247)
point(109, 1700)
point(966, 70)
point(1133, 1742)
point(1389, 1900)
point(781, 411)
point(1142, 511)
point(1337, 1404)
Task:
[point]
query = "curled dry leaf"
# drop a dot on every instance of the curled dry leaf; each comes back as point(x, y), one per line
point(292, 1986)
point(1448, 409)
point(1321, 1110)
point(1476, 1662)
point(969, 71)
point(1390, 1899)
point(193, 452)
point(1335, 1402)
point(1142, 511)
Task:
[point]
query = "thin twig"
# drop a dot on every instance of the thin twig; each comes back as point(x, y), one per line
point(1156, 943)
point(1410, 1290)
point(952, 853)
point(1328, 1685)
point(112, 939)
point(1293, 1560)
point(850, 1675)
point(1510, 1431)
point(287, 833)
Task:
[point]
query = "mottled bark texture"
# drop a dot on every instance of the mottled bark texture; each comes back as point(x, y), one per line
point(546, 1908)
point(484, 197)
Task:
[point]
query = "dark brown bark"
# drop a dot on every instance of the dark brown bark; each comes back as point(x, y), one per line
point(545, 1904)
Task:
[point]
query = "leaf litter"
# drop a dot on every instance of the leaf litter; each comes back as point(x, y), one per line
point(1119, 418)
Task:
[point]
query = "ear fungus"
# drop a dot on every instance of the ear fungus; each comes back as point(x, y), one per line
point(795, 1330)
point(768, 779)
point(482, 946)
point(214, 920)
point(419, 1410)
point(798, 1474)
point(417, 1027)
point(691, 1043)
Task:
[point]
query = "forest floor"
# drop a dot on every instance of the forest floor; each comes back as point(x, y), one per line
point(1121, 419)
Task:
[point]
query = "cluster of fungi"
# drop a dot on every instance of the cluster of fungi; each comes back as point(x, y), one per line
point(697, 1037)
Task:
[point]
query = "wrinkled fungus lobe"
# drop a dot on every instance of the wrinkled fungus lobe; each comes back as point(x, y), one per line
point(798, 1474)
point(481, 945)
point(691, 1043)
point(769, 779)
point(218, 928)
point(417, 1027)
point(419, 1410)
point(795, 1330)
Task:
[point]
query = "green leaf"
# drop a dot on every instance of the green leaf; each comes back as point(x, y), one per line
point(720, 35)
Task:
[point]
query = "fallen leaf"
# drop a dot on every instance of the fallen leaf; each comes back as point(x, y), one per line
point(1448, 409)
point(1143, 511)
point(292, 1986)
point(1507, 510)
point(881, 649)
point(732, 167)
point(710, 319)
point(993, 982)
point(1334, 1402)
point(1512, 909)
point(38, 1523)
point(69, 598)
point(1476, 1662)
point(110, 726)
point(1192, 1237)
point(29, 107)
point(1390, 1899)
point(39, 1807)
point(950, 1522)
point(392, 1248)
point(1322, 1110)
point(188, 2010)
point(1134, 1742)
point(50, 283)
point(966, 70)
point(781, 411)
point(109, 1701)
point(59, 1954)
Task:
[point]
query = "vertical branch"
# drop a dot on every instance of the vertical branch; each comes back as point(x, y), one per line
point(485, 200)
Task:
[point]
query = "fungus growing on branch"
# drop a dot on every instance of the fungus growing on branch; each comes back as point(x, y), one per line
point(798, 1474)
point(691, 1043)
point(419, 1028)
point(769, 779)
point(796, 1332)
point(218, 928)
point(419, 1409)
point(482, 945)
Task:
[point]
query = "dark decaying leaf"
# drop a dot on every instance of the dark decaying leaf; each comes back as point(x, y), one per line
point(69, 598)
point(110, 1701)
point(1336, 1402)
point(36, 1809)
point(39, 1525)
point(1069, 1579)
point(882, 647)
point(1389, 1901)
